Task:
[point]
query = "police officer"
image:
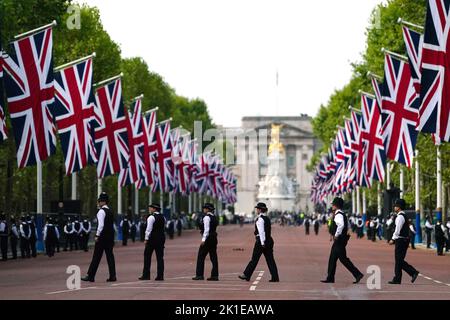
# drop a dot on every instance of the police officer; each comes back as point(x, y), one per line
point(428, 229)
point(208, 229)
point(307, 225)
point(125, 227)
point(77, 238)
point(439, 235)
point(14, 238)
point(33, 236)
point(170, 228)
point(263, 245)
point(104, 240)
point(155, 239)
point(338, 250)
point(68, 233)
point(179, 226)
point(25, 234)
point(4, 237)
point(142, 227)
point(412, 234)
point(401, 240)
point(85, 234)
point(316, 225)
point(133, 230)
point(51, 237)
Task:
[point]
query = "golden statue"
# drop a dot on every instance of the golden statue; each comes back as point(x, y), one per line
point(275, 144)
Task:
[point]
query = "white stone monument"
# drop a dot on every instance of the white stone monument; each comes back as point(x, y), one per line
point(276, 190)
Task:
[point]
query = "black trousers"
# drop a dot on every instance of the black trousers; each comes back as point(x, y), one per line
point(107, 248)
point(210, 247)
point(440, 242)
point(412, 241)
point(339, 252)
point(428, 233)
point(4, 247)
point(50, 246)
point(33, 247)
point(401, 247)
point(125, 238)
point(13, 241)
point(68, 242)
point(25, 248)
point(133, 236)
point(258, 250)
point(158, 248)
point(84, 240)
point(306, 229)
point(179, 232)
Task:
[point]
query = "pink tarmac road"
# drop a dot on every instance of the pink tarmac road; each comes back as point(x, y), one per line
point(302, 263)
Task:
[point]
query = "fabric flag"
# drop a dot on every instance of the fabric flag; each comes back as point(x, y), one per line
point(358, 162)
point(3, 128)
point(31, 93)
point(163, 158)
point(434, 114)
point(135, 169)
point(202, 176)
point(182, 167)
point(349, 175)
point(372, 139)
point(111, 130)
point(193, 168)
point(74, 111)
point(400, 111)
point(149, 122)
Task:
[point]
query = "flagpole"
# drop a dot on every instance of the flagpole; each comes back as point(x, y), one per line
point(439, 183)
point(161, 200)
point(150, 196)
point(74, 186)
point(364, 215)
point(190, 203)
point(72, 63)
point(101, 83)
point(136, 200)
point(402, 182)
point(398, 56)
point(31, 32)
point(409, 24)
point(354, 202)
point(39, 206)
point(358, 201)
point(119, 198)
point(379, 199)
point(388, 176)
point(417, 182)
point(99, 186)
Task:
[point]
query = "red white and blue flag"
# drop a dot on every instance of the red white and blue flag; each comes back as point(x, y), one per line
point(135, 170)
point(203, 173)
point(434, 114)
point(400, 111)
point(74, 111)
point(372, 141)
point(149, 122)
point(3, 128)
point(30, 90)
point(163, 158)
point(111, 131)
point(193, 168)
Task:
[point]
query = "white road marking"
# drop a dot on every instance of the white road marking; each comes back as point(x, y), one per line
point(258, 279)
point(72, 290)
point(252, 288)
point(255, 283)
point(437, 281)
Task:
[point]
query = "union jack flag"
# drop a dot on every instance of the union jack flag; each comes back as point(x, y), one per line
point(75, 115)
point(31, 94)
point(414, 44)
point(182, 167)
point(372, 139)
point(149, 123)
point(358, 162)
point(400, 110)
point(193, 168)
point(434, 113)
point(111, 140)
point(350, 171)
point(3, 129)
point(203, 173)
point(136, 169)
point(163, 158)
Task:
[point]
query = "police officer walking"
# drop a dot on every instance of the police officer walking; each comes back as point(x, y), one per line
point(14, 238)
point(85, 234)
point(338, 250)
point(263, 245)
point(104, 240)
point(401, 240)
point(4, 237)
point(51, 237)
point(155, 239)
point(33, 236)
point(208, 229)
point(125, 227)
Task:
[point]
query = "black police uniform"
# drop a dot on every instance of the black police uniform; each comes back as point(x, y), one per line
point(51, 238)
point(209, 247)
point(4, 239)
point(25, 240)
point(77, 238)
point(339, 252)
point(33, 238)
point(260, 249)
point(125, 231)
point(14, 237)
point(156, 238)
point(401, 238)
point(104, 243)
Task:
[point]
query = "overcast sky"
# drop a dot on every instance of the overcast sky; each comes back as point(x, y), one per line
point(227, 52)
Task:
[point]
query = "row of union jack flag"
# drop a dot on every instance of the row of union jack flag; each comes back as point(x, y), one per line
point(413, 97)
point(96, 128)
